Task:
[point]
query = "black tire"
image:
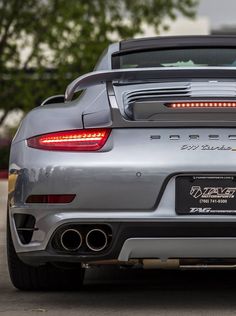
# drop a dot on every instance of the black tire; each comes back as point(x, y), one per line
point(48, 277)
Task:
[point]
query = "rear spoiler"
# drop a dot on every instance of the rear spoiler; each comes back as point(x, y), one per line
point(135, 74)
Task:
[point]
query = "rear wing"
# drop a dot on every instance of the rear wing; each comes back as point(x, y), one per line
point(142, 74)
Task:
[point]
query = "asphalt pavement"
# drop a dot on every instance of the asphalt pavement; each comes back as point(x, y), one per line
point(122, 292)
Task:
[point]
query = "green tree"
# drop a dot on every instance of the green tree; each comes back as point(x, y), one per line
point(44, 44)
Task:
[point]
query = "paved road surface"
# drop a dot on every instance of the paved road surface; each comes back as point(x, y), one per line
point(122, 292)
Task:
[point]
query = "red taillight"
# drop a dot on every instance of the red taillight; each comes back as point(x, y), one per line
point(181, 105)
point(75, 140)
point(50, 198)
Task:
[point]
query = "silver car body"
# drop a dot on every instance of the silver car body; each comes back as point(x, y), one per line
point(129, 184)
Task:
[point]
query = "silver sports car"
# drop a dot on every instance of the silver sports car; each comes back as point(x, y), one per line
point(134, 166)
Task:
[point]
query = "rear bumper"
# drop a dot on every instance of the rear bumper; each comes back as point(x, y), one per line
point(143, 234)
point(162, 222)
point(169, 248)
point(162, 240)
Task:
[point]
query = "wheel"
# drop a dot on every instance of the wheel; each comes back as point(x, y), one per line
point(48, 277)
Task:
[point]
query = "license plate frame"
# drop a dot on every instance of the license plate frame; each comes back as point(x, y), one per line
point(205, 195)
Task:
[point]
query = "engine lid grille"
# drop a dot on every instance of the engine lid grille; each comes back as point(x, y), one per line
point(183, 89)
point(175, 91)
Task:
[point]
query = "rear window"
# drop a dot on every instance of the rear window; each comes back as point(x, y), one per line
point(184, 57)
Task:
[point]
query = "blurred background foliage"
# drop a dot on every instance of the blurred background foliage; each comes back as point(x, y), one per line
point(45, 44)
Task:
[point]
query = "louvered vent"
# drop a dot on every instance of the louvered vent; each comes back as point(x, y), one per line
point(178, 90)
point(149, 103)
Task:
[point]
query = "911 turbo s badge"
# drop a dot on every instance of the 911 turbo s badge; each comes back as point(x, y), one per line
point(207, 147)
point(212, 192)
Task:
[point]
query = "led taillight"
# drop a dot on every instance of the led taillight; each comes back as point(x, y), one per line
point(75, 140)
point(50, 198)
point(181, 105)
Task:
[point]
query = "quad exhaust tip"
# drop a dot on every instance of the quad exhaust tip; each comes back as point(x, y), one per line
point(71, 240)
point(96, 240)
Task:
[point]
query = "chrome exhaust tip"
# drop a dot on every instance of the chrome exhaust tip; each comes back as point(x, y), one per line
point(96, 239)
point(71, 240)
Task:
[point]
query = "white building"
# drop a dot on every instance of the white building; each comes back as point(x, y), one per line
point(182, 26)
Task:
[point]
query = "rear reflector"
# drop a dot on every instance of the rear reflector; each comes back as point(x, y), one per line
point(75, 140)
point(50, 198)
point(181, 105)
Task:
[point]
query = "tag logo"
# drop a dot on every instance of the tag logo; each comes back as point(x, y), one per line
point(196, 191)
point(208, 210)
point(203, 210)
point(212, 192)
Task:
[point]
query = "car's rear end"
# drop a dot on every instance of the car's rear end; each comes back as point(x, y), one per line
point(140, 170)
